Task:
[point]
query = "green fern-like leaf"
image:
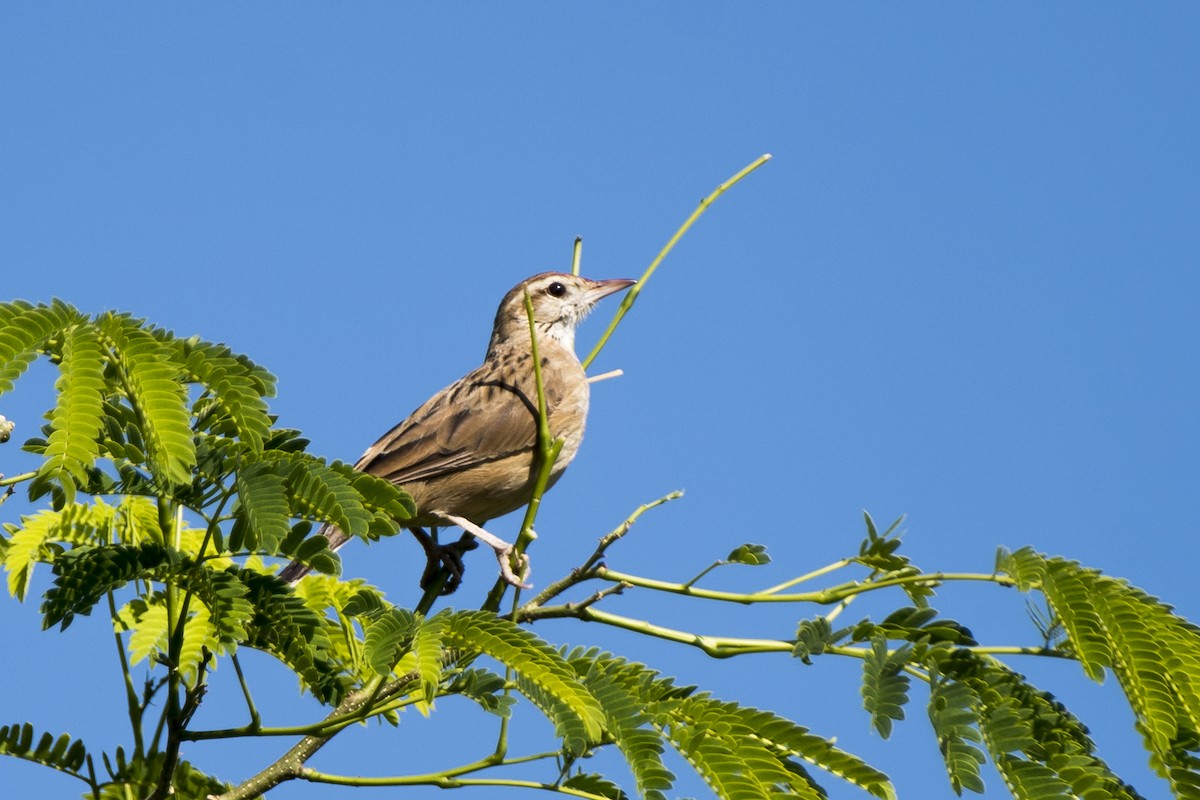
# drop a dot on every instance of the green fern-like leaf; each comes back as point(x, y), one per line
point(230, 613)
point(917, 624)
point(596, 785)
point(312, 550)
point(619, 686)
point(147, 622)
point(387, 503)
point(1019, 721)
point(812, 637)
point(388, 638)
point(752, 555)
point(291, 631)
point(77, 419)
point(24, 329)
point(234, 403)
point(878, 550)
point(152, 378)
point(430, 653)
point(322, 492)
point(544, 675)
point(58, 752)
point(133, 776)
point(885, 686)
point(1029, 780)
point(83, 576)
point(263, 520)
point(734, 762)
point(1154, 653)
point(37, 538)
point(1067, 592)
point(784, 740)
point(953, 714)
point(484, 687)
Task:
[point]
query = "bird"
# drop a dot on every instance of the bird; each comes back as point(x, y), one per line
point(468, 454)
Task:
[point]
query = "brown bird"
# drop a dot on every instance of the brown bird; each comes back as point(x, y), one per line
point(467, 455)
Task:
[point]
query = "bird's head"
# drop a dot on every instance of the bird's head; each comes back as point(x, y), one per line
point(560, 301)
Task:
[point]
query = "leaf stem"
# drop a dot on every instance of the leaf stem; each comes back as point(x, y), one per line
point(586, 570)
point(546, 453)
point(9, 480)
point(443, 782)
point(834, 594)
point(631, 295)
point(136, 710)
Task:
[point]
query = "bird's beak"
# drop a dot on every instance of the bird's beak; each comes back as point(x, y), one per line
point(601, 289)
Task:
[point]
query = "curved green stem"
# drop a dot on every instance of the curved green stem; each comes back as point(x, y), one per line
point(828, 596)
point(631, 295)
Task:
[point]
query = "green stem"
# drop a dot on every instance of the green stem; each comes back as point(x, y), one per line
point(546, 453)
point(291, 764)
point(716, 646)
point(631, 295)
point(136, 710)
point(703, 572)
point(444, 783)
point(169, 520)
point(808, 576)
point(255, 717)
point(576, 255)
point(586, 571)
point(13, 479)
point(828, 596)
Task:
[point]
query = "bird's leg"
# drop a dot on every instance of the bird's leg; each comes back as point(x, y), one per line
point(439, 557)
point(502, 549)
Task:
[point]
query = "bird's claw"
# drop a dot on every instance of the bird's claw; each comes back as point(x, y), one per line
point(504, 556)
point(446, 558)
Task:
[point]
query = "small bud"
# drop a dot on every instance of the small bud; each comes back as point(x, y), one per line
point(6, 429)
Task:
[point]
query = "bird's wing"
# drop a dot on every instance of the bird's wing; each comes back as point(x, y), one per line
point(485, 416)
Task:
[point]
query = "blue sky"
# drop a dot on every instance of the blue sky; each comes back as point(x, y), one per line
point(964, 290)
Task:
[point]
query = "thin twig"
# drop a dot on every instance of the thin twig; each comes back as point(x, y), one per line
point(576, 255)
point(603, 376)
point(547, 453)
point(632, 294)
point(586, 570)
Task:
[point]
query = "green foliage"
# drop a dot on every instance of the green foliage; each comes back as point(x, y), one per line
point(61, 753)
point(752, 555)
point(150, 378)
point(26, 329)
point(76, 422)
point(1154, 654)
point(885, 686)
point(812, 637)
point(739, 751)
point(84, 575)
point(131, 775)
point(915, 625)
point(1021, 724)
point(286, 627)
point(210, 495)
point(954, 714)
point(542, 673)
point(388, 638)
point(42, 535)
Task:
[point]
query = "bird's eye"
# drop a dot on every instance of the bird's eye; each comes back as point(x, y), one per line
point(556, 289)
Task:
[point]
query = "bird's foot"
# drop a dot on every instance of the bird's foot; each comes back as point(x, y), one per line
point(504, 556)
point(502, 549)
point(444, 558)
